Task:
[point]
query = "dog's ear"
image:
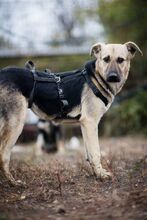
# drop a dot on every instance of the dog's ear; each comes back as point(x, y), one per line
point(30, 65)
point(133, 48)
point(95, 49)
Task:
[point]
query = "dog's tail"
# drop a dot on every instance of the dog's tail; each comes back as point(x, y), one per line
point(30, 65)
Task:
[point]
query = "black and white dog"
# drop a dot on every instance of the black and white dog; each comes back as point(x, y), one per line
point(79, 96)
point(49, 137)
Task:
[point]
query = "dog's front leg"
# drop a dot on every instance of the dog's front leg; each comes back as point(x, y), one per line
point(90, 135)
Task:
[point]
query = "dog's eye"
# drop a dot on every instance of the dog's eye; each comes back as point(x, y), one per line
point(120, 60)
point(107, 59)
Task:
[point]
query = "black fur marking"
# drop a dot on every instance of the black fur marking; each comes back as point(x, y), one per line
point(17, 79)
point(50, 137)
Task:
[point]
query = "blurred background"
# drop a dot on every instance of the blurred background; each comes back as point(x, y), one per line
point(58, 34)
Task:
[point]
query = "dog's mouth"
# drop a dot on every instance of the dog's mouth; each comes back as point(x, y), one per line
point(113, 77)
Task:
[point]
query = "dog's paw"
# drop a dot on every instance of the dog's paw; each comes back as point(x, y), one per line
point(11, 181)
point(102, 174)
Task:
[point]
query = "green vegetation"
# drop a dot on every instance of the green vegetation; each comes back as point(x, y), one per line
point(129, 117)
point(55, 63)
point(127, 21)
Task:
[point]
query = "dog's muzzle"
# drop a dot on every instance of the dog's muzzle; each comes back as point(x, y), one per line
point(113, 77)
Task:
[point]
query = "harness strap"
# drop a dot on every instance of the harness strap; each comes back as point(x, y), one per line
point(53, 78)
point(63, 102)
point(106, 84)
point(105, 91)
point(30, 102)
point(39, 79)
point(93, 87)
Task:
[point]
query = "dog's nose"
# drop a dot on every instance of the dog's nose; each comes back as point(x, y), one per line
point(113, 77)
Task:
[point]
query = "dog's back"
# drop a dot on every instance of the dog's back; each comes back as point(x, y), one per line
point(18, 79)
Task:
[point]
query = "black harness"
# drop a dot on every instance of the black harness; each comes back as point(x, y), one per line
point(50, 77)
point(57, 78)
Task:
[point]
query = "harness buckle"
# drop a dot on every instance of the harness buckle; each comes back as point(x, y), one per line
point(84, 72)
point(64, 103)
point(58, 79)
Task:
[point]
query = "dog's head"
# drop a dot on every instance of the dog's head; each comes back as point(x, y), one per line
point(113, 61)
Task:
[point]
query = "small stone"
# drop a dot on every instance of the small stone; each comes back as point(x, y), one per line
point(61, 210)
point(55, 201)
point(133, 206)
point(22, 197)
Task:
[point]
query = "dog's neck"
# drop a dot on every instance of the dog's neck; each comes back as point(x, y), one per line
point(112, 88)
point(103, 86)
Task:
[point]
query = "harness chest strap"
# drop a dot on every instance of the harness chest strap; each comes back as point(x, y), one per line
point(93, 87)
point(63, 101)
point(30, 101)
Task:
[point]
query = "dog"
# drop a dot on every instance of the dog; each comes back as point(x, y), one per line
point(78, 96)
point(49, 137)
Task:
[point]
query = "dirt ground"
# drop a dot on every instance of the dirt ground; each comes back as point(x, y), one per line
point(61, 186)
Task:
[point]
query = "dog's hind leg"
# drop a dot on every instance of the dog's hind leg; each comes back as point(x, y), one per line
point(12, 119)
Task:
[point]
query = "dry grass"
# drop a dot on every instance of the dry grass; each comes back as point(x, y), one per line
point(63, 187)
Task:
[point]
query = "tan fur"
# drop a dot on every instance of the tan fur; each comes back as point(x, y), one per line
point(13, 107)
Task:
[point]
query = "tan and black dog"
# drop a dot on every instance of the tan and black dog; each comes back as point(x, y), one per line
point(82, 96)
